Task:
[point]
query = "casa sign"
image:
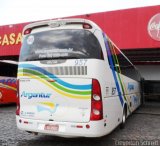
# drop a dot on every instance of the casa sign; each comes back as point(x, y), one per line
point(10, 39)
point(154, 27)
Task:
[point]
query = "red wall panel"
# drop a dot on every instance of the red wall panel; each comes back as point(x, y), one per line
point(126, 28)
point(10, 39)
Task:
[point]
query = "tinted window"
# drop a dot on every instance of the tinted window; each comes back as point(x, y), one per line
point(119, 62)
point(57, 44)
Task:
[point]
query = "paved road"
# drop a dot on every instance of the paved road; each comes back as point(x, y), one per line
point(142, 128)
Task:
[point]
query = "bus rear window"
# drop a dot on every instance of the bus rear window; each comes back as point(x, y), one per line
point(60, 44)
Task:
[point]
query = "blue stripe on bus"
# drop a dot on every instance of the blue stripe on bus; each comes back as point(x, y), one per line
point(113, 71)
point(72, 86)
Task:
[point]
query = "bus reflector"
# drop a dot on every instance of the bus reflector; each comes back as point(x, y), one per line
point(25, 122)
point(96, 102)
point(87, 126)
point(79, 126)
point(87, 26)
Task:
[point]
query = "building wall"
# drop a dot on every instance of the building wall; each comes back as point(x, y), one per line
point(150, 72)
point(128, 29)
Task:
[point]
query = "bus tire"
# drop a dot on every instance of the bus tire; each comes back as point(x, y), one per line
point(124, 116)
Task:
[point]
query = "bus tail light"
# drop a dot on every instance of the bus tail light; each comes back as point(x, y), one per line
point(18, 102)
point(96, 102)
point(27, 31)
point(84, 24)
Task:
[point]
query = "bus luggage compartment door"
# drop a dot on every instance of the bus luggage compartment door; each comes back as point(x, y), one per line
point(65, 99)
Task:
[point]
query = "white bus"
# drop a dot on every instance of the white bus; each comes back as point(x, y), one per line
point(73, 81)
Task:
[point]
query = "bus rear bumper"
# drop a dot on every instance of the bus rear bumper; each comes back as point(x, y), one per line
point(63, 129)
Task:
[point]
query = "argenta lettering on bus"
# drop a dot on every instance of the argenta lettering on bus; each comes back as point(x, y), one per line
point(31, 95)
point(130, 87)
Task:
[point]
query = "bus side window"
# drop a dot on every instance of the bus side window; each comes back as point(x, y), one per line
point(120, 62)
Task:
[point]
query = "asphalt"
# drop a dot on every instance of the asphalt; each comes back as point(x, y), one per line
point(142, 128)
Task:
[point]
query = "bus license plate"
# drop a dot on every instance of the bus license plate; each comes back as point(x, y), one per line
point(50, 127)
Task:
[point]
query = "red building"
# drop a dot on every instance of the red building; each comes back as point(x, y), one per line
point(135, 31)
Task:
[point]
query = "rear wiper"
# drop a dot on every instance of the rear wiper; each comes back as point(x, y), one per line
point(36, 59)
point(67, 57)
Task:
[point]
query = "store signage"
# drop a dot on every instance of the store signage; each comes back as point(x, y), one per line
point(10, 39)
point(154, 27)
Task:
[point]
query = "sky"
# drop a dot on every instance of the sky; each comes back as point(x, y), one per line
point(19, 11)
